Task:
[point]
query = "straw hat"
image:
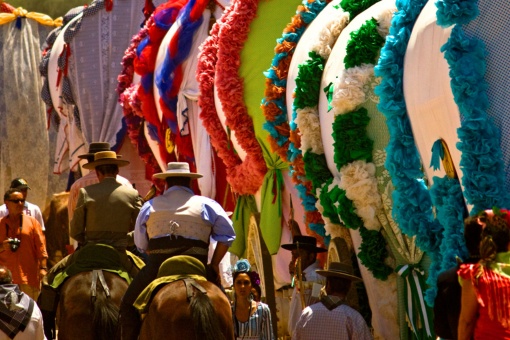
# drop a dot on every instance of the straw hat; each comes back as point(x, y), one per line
point(104, 158)
point(338, 269)
point(177, 169)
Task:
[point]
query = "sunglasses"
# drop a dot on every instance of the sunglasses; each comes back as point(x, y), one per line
point(17, 201)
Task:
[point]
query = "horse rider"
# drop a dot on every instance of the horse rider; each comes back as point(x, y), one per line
point(178, 222)
point(89, 179)
point(104, 214)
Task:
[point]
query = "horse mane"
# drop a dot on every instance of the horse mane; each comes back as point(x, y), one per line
point(205, 319)
point(105, 318)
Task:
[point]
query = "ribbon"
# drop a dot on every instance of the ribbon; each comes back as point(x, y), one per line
point(437, 155)
point(413, 294)
point(245, 207)
point(271, 200)
point(20, 12)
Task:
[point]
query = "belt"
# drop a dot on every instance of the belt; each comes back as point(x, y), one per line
point(171, 242)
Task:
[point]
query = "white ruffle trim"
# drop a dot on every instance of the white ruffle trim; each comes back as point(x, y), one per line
point(349, 88)
point(360, 184)
point(384, 21)
point(309, 126)
point(329, 34)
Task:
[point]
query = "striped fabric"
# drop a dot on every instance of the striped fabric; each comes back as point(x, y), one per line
point(257, 327)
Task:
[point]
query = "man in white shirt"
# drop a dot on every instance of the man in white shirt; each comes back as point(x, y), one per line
point(29, 209)
point(89, 179)
point(332, 318)
point(304, 250)
point(20, 318)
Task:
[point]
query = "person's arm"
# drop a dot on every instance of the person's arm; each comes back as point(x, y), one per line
point(77, 230)
point(40, 247)
point(219, 252)
point(136, 211)
point(468, 312)
point(140, 234)
point(38, 216)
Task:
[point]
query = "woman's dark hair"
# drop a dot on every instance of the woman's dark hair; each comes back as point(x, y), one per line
point(473, 235)
point(495, 238)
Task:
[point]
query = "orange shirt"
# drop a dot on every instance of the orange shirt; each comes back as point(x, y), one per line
point(24, 262)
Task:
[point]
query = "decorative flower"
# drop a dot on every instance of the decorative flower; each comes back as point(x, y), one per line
point(255, 278)
point(242, 266)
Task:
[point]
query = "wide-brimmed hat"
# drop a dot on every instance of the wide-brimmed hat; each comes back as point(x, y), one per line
point(95, 147)
point(177, 169)
point(19, 183)
point(338, 269)
point(105, 158)
point(304, 242)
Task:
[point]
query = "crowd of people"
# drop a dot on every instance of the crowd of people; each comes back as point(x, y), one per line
point(472, 301)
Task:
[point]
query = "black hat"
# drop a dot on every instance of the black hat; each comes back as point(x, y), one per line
point(338, 269)
point(304, 242)
point(96, 147)
point(19, 183)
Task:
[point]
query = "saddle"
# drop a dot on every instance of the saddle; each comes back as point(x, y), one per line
point(181, 267)
point(90, 257)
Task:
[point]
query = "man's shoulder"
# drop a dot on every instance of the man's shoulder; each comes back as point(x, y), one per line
point(32, 206)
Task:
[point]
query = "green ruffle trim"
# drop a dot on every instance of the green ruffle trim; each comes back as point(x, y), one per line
point(336, 205)
point(351, 140)
point(327, 200)
point(316, 166)
point(373, 252)
point(346, 211)
point(308, 81)
point(355, 7)
point(364, 46)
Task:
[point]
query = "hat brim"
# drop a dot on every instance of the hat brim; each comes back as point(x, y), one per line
point(163, 175)
point(87, 155)
point(22, 187)
point(94, 164)
point(328, 273)
point(309, 247)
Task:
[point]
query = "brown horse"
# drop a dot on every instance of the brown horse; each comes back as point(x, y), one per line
point(56, 220)
point(88, 310)
point(174, 314)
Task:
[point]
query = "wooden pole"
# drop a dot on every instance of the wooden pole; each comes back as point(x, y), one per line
point(268, 278)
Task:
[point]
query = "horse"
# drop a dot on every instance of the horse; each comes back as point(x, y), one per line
point(186, 310)
point(88, 310)
point(56, 220)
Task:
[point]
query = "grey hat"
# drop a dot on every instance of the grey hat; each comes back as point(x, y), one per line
point(177, 169)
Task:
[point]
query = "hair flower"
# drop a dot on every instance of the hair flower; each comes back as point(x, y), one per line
point(255, 278)
point(242, 266)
